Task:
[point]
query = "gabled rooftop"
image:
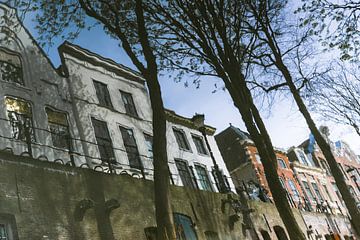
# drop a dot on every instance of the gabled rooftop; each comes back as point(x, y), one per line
point(98, 60)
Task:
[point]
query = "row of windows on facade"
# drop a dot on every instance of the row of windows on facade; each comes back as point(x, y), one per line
point(104, 99)
point(203, 182)
point(11, 71)
point(312, 193)
point(20, 117)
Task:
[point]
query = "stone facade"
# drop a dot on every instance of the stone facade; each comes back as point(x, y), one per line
point(46, 200)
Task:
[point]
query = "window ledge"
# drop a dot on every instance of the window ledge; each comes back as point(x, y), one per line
point(16, 85)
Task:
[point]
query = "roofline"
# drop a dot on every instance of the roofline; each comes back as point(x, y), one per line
point(173, 117)
point(34, 41)
point(98, 60)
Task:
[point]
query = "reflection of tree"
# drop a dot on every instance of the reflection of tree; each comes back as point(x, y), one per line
point(10, 73)
point(21, 126)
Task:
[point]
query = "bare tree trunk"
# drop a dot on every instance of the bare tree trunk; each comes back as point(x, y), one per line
point(164, 215)
point(242, 98)
point(349, 200)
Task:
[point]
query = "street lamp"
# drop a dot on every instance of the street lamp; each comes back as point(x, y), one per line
point(198, 121)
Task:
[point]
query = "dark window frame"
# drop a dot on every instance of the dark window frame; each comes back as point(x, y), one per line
point(129, 103)
point(200, 144)
point(131, 147)
point(203, 177)
point(149, 144)
point(19, 119)
point(17, 70)
point(281, 162)
point(181, 139)
point(104, 142)
point(185, 173)
point(55, 129)
point(103, 94)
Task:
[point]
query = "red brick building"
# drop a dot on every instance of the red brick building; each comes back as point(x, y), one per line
point(245, 167)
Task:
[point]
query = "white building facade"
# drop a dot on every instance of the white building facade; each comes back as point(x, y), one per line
point(93, 113)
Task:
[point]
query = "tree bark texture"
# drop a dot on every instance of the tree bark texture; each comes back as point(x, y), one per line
point(164, 215)
point(349, 200)
point(242, 98)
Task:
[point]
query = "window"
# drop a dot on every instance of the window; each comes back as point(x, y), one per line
point(3, 232)
point(10, 68)
point(308, 190)
point(102, 94)
point(149, 145)
point(203, 178)
point(8, 229)
point(336, 190)
point(327, 192)
point(257, 157)
point(295, 192)
point(181, 139)
point(59, 129)
point(317, 191)
point(129, 104)
point(224, 182)
point(103, 141)
point(199, 143)
point(281, 163)
point(325, 166)
point(20, 117)
point(131, 148)
point(185, 174)
point(184, 227)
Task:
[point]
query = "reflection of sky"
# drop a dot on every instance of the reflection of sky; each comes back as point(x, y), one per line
point(285, 125)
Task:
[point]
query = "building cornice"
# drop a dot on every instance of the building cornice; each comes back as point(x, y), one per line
point(97, 60)
point(171, 116)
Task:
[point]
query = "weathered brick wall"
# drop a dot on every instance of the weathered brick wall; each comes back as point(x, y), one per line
point(43, 196)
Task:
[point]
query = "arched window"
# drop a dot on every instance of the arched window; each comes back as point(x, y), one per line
point(58, 127)
point(10, 67)
point(265, 235)
point(20, 116)
point(280, 233)
point(184, 227)
point(281, 163)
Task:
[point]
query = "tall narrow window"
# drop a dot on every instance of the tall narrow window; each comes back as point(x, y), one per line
point(199, 143)
point(129, 103)
point(102, 94)
point(3, 232)
point(308, 191)
point(10, 68)
point(131, 148)
point(317, 191)
point(149, 145)
point(103, 140)
point(203, 178)
point(20, 116)
point(181, 139)
point(295, 192)
point(185, 173)
point(327, 192)
point(184, 227)
point(59, 129)
point(336, 190)
point(281, 163)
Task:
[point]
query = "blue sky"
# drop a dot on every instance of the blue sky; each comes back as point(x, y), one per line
point(285, 124)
